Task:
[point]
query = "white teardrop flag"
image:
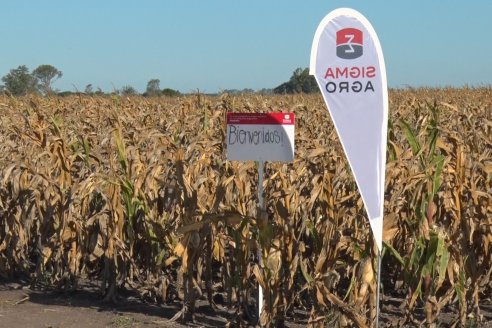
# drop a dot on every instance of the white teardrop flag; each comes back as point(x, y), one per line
point(348, 64)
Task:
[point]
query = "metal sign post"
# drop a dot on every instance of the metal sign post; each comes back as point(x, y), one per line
point(261, 206)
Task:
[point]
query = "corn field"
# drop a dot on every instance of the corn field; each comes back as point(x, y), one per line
point(138, 192)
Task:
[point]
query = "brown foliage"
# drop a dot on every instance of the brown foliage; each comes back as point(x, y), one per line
point(138, 191)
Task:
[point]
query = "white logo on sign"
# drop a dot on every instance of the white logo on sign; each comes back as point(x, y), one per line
point(350, 38)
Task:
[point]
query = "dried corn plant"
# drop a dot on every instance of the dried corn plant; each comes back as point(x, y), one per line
point(137, 193)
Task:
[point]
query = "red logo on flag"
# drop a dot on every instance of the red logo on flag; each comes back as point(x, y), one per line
point(349, 43)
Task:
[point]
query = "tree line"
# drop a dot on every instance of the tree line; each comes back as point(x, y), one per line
point(19, 81)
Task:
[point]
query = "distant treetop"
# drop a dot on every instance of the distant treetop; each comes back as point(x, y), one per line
point(300, 82)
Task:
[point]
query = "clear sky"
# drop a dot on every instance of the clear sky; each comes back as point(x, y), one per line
point(215, 45)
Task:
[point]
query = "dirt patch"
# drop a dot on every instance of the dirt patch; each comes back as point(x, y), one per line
point(21, 306)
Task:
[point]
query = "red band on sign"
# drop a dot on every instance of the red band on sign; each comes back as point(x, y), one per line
point(349, 36)
point(261, 118)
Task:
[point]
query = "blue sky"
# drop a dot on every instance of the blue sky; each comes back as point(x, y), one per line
point(215, 45)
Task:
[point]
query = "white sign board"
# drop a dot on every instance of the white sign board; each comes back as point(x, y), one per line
point(260, 136)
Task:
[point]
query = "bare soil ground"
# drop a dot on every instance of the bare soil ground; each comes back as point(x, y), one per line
point(21, 306)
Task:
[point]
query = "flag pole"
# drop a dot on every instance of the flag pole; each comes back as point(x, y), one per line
point(378, 287)
point(261, 165)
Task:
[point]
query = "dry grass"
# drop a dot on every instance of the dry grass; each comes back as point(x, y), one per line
point(138, 191)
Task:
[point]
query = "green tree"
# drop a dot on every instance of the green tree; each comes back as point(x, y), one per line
point(44, 76)
point(99, 92)
point(19, 81)
point(128, 90)
point(299, 82)
point(153, 88)
point(302, 82)
point(170, 92)
point(88, 89)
